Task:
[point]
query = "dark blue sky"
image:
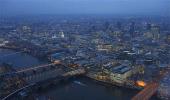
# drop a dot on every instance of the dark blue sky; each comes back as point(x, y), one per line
point(13, 7)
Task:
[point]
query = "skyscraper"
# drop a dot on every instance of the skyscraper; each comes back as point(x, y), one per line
point(106, 26)
point(119, 25)
point(132, 29)
point(155, 29)
point(148, 26)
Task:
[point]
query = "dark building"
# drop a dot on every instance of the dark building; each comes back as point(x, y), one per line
point(106, 26)
point(132, 29)
point(155, 29)
point(119, 25)
point(148, 26)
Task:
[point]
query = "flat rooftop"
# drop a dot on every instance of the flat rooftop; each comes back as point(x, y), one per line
point(121, 69)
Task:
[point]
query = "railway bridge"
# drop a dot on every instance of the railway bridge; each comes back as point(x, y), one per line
point(41, 74)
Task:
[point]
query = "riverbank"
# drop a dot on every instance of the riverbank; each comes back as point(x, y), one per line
point(91, 76)
point(74, 90)
point(125, 86)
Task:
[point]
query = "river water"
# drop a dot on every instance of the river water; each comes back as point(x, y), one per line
point(18, 59)
point(75, 89)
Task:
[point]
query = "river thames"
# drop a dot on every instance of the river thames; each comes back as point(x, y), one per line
point(75, 89)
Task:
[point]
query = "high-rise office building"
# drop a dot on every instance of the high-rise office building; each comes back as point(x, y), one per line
point(132, 29)
point(119, 25)
point(148, 26)
point(155, 29)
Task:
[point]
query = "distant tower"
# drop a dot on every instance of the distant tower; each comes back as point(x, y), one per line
point(54, 36)
point(156, 32)
point(148, 26)
point(61, 34)
point(132, 29)
point(119, 25)
point(106, 26)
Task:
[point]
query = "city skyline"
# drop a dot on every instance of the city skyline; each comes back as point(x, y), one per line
point(84, 49)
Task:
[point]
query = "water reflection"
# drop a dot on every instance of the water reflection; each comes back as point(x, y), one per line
point(92, 91)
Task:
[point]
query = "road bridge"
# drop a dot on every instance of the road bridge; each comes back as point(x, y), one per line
point(151, 88)
point(147, 92)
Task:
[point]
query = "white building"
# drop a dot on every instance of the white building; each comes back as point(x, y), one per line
point(120, 74)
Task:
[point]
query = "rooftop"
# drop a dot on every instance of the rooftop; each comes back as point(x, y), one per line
point(121, 69)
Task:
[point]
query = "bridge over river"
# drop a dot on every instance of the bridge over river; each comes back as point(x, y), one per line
point(41, 74)
point(152, 87)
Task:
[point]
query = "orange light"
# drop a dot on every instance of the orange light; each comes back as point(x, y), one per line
point(141, 83)
point(73, 65)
